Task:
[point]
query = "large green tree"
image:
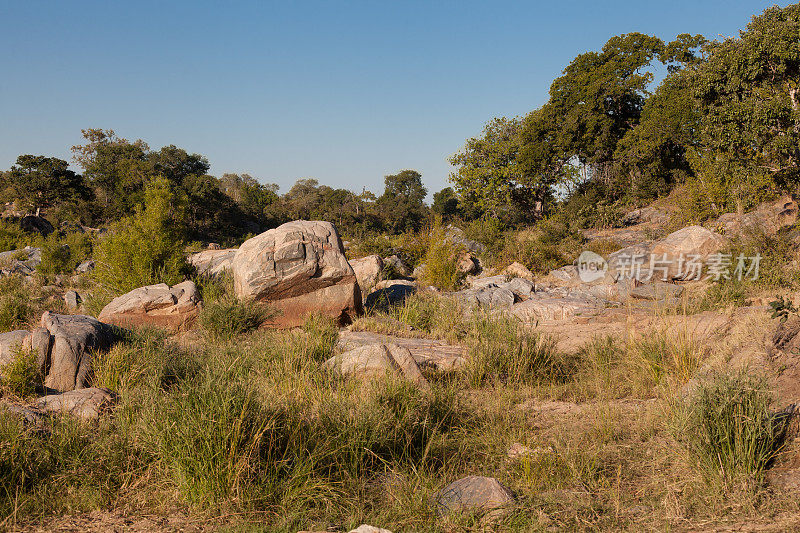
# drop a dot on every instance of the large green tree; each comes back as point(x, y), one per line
point(37, 181)
point(748, 92)
point(402, 205)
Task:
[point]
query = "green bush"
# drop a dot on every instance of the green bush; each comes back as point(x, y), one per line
point(62, 253)
point(441, 262)
point(15, 304)
point(729, 428)
point(21, 376)
point(229, 316)
point(13, 238)
point(145, 248)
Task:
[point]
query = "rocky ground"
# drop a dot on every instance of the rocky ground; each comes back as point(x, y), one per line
point(585, 441)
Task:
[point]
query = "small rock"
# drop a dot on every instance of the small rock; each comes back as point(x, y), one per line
point(72, 299)
point(88, 404)
point(377, 360)
point(364, 528)
point(466, 264)
point(389, 293)
point(474, 494)
point(522, 288)
point(656, 291)
point(86, 266)
point(518, 270)
point(398, 265)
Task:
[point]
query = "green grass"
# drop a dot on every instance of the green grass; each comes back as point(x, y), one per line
point(729, 428)
point(15, 304)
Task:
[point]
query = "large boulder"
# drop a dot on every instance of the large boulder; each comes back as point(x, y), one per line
point(547, 306)
point(377, 360)
point(298, 268)
point(673, 252)
point(68, 344)
point(172, 308)
point(369, 271)
point(474, 494)
point(213, 262)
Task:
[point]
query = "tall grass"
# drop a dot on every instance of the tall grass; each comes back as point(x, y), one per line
point(15, 304)
point(504, 349)
point(729, 428)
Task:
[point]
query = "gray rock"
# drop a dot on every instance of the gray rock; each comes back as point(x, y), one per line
point(552, 305)
point(490, 296)
point(657, 290)
point(428, 353)
point(474, 494)
point(477, 283)
point(11, 343)
point(88, 404)
point(522, 288)
point(73, 341)
point(72, 299)
point(86, 266)
point(398, 265)
point(377, 360)
point(365, 528)
point(565, 273)
point(694, 241)
point(23, 262)
point(369, 271)
point(213, 262)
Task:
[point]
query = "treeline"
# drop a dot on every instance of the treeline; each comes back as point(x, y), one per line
point(724, 122)
point(117, 175)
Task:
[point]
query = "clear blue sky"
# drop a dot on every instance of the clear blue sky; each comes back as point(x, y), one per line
point(344, 92)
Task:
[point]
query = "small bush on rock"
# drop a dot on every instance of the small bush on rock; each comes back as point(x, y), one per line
point(20, 377)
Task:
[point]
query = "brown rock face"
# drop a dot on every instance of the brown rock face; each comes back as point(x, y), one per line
point(172, 308)
point(298, 268)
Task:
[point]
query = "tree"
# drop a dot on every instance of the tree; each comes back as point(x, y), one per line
point(117, 169)
point(445, 203)
point(597, 100)
point(402, 202)
point(489, 178)
point(748, 91)
point(38, 181)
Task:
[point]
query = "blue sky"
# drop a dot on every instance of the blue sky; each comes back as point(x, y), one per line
point(343, 92)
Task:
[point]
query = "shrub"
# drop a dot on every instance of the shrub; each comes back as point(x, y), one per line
point(441, 262)
point(145, 248)
point(729, 429)
point(21, 376)
point(62, 253)
point(229, 316)
point(15, 306)
point(13, 238)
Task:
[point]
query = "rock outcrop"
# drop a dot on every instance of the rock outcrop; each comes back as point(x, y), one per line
point(298, 268)
point(64, 346)
point(692, 242)
point(173, 308)
point(87, 404)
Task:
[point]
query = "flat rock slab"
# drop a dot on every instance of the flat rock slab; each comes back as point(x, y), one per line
point(428, 353)
point(213, 262)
